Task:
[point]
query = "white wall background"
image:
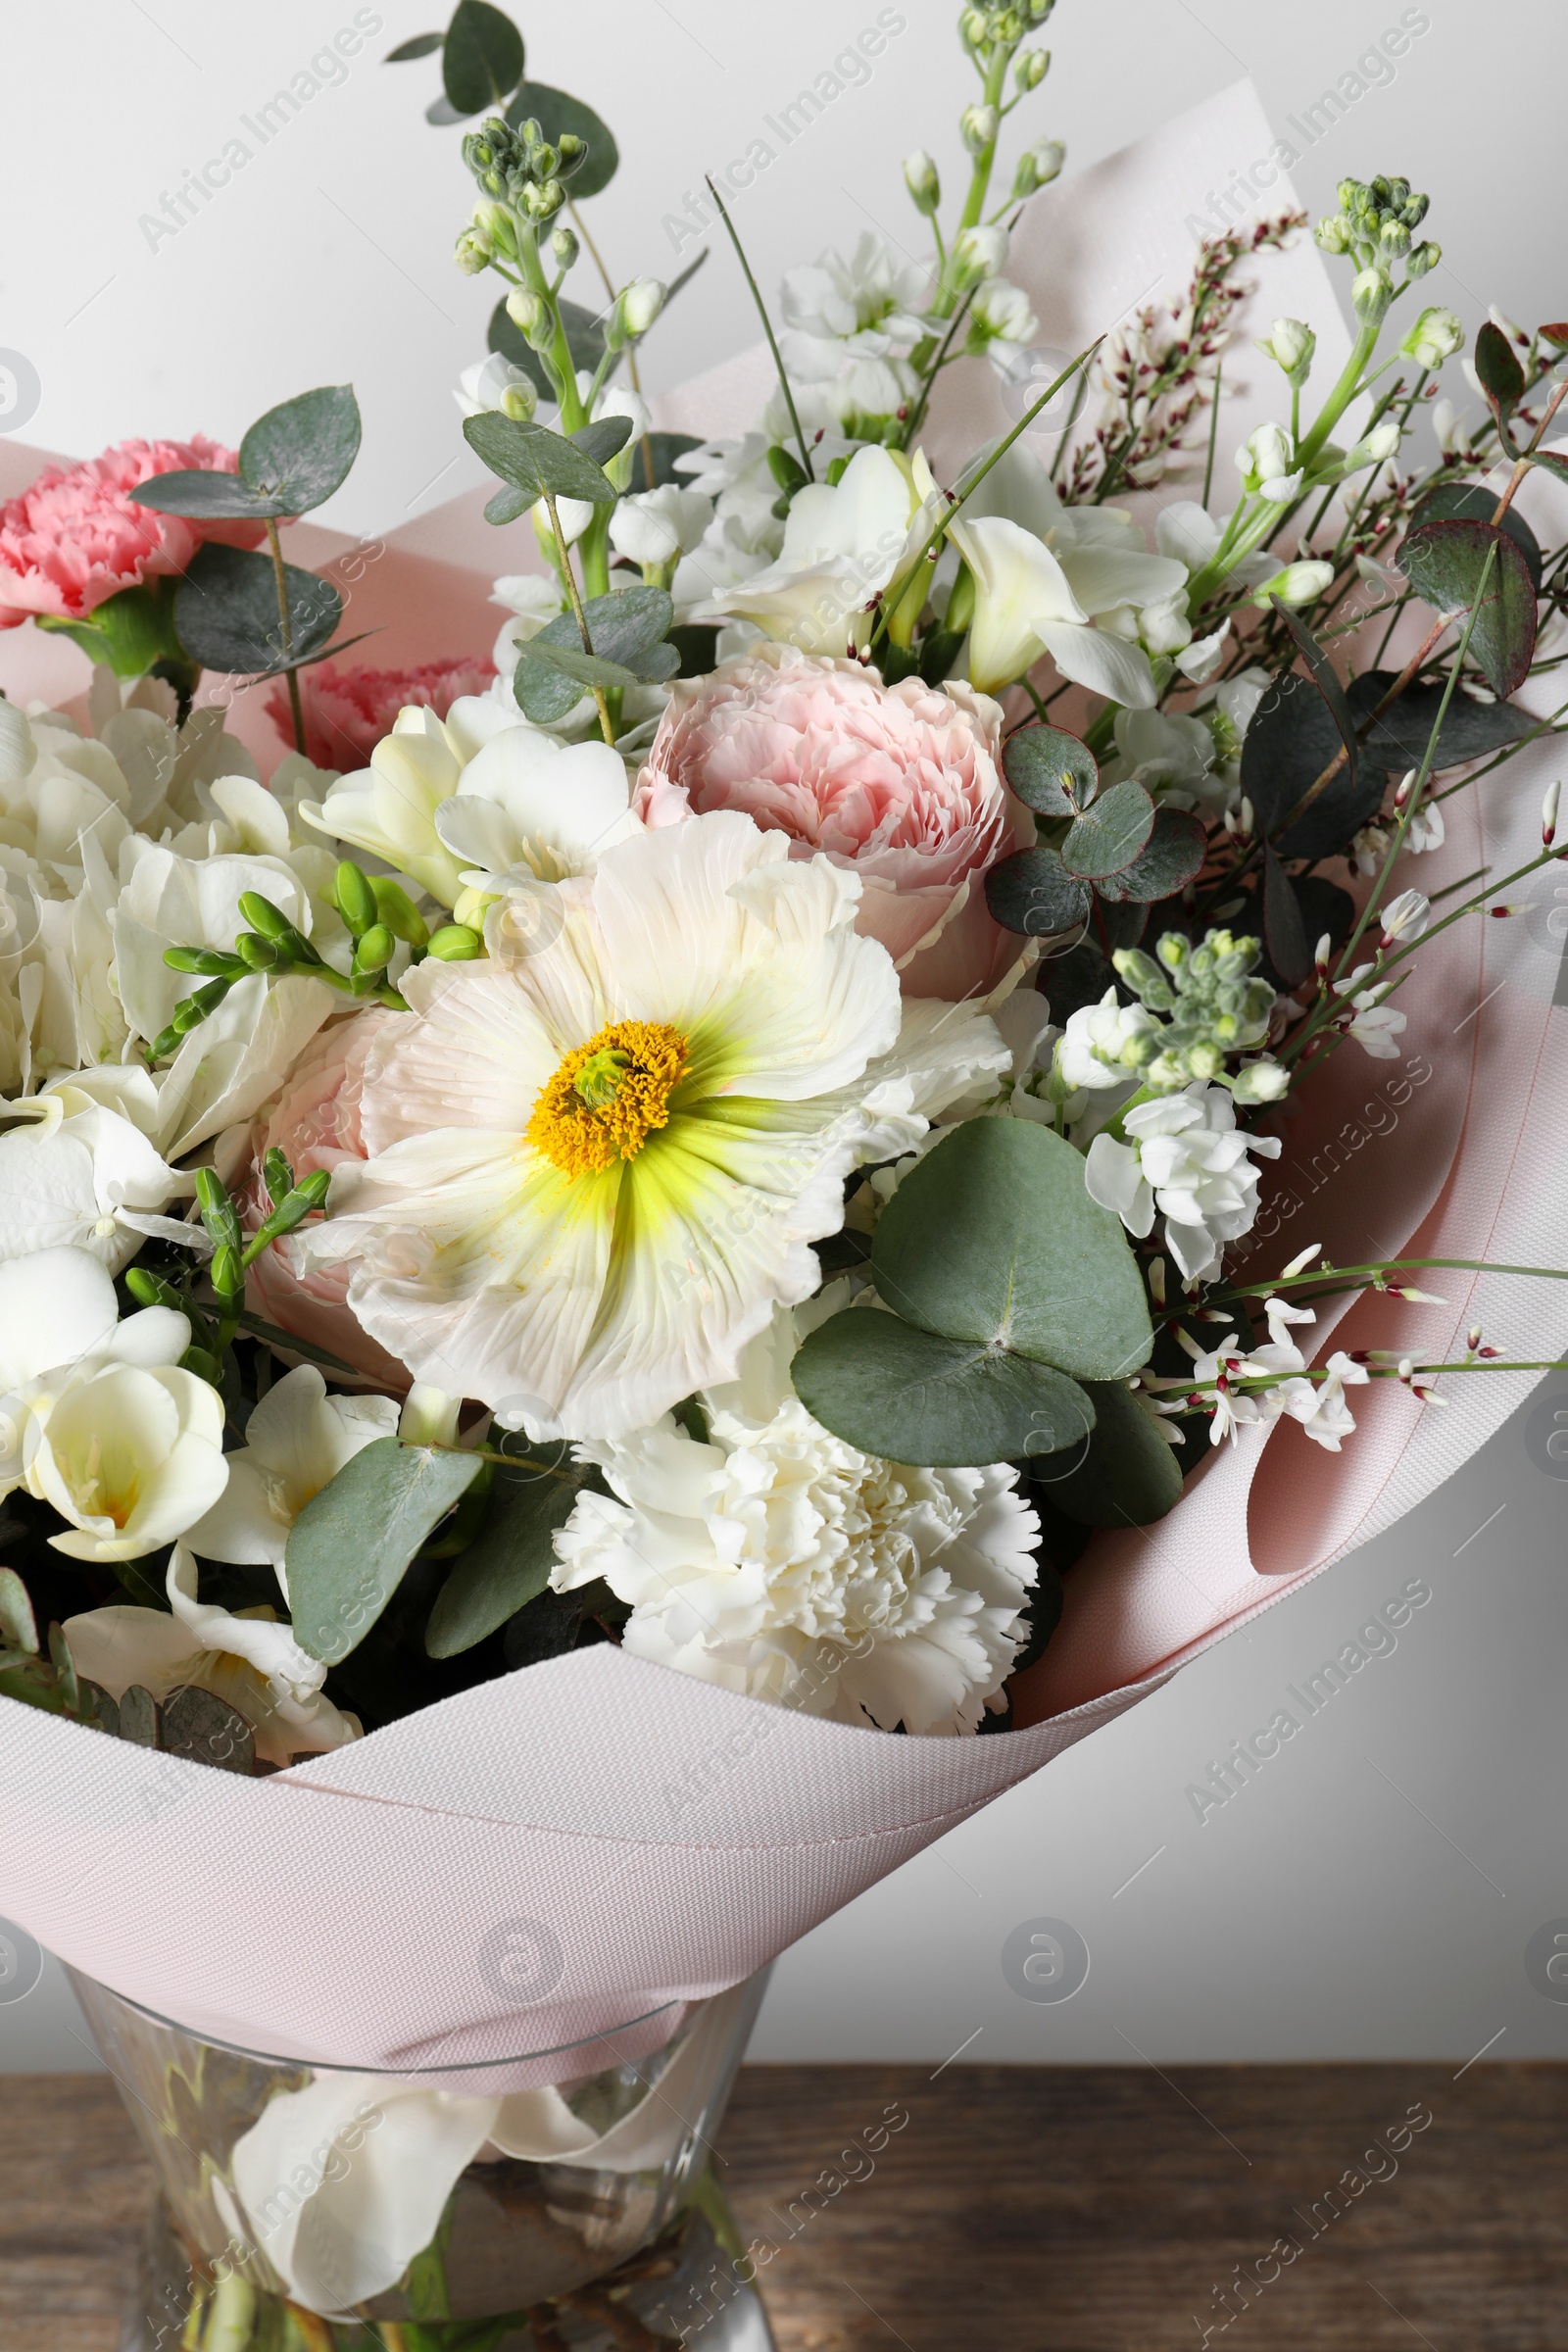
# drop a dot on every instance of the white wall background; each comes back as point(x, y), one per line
point(1374, 1892)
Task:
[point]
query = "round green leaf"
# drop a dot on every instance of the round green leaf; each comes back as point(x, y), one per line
point(1496, 364)
point(1473, 502)
point(349, 1548)
point(911, 1396)
point(1290, 740)
point(423, 45)
point(207, 493)
point(1124, 1475)
point(1033, 893)
point(1109, 835)
point(505, 1566)
point(1167, 861)
point(533, 459)
point(994, 1239)
point(555, 112)
point(481, 58)
point(226, 612)
point(1444, 562)
point(299, 453)
point(1051, 772)
point(1398, 741)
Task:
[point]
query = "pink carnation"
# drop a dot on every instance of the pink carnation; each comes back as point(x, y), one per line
point(901, 784)
point(74, 537)
point(315, 1124)
point(347, 711)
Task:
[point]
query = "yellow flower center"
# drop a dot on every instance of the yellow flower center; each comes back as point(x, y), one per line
point(608, 1096)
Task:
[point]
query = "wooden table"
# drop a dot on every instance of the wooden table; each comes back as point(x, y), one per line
point(1016, 2209)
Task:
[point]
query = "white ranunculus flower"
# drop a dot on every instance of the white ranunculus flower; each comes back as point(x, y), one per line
point(249, 1658)
point(132, 1454)
point(1186, 1157)
point(389, 807)
point(656, 526)
point(777, 1560)
point(843, 545)
point(296, 1441)
point(1104, 1045)
point(593, 1168)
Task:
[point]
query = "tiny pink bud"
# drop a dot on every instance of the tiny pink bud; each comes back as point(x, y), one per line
point(1548, 813)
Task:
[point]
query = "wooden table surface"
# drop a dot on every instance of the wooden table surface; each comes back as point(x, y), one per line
point(1016, 2209)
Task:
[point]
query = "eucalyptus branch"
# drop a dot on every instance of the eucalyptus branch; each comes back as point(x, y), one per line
point(285, 623)
point(570, 578)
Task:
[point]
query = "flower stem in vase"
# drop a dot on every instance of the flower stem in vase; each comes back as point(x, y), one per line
point(285, 625)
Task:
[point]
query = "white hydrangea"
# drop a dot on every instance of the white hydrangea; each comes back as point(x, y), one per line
point(1186, 1157)
point(777, 1560)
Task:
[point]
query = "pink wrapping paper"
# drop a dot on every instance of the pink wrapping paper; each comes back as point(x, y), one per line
point(644, 1838)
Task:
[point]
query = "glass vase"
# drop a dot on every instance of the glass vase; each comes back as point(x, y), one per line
point(306, 2208)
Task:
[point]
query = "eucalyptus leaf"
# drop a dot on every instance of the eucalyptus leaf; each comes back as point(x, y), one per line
point(1290, 951)
point(589, 670)
point(1051, 772)
point(911, 1396)
point(140, 1717)
point(349, 1548)
point(423, 45)
point(667, 448)
point(585, 341)
point(533, 459)
point(545, 694)
point(299, 453)
point(1170, 858)
point(555, 112)
point(1032, 891)
point(506, 1565)
point(1123, 1475)
point(993, 1238)
point(1398, 741)
point(1473, 502)
point(1553, 463)
point(17, 1625)
point(1108, 836)
point(1496, 364)
point(1291, 739)
point(603, 439)
point(1444, 564)
point(208, 494)
point(481, 58)
point(205, 1727)
point(225, 612)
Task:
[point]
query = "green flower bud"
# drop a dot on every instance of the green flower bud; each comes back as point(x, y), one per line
point(263, 916)
point(1030, 68)
point(354, 898)
point(1333, 234)
point(974, 27)
point(455, 942)
point(398, 911)
point(924, 181)
point(1371, 294)
point(1423, 258)
point(564, 245)
point(979, 125)
point(520, 401)
point(226, 1271)
point(276, 1175)
point(373, 951)
point(1038, 166)
point(572, 152)
point(218, 1211)
point(260, 954)
point(1289, 344)
point(543, 200)
point(472, 253)
point(531, 313)
point(149, 1290)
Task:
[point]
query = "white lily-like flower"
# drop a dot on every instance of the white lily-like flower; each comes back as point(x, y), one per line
point(296, 1441)
point(777, 1560)
point(1025, 607)
point(530, 810)
point(658, 527)
point(57, 1307)
point(78, 1168)
point(1107, 1044)
point(389, 807)
point(130, 1452)
point(594, 1168)
point(1186, 1157)
point(249, 1658)
point(842, 546)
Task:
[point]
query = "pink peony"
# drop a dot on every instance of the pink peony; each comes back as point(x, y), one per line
point(75, 538)
point(315, 1124)
point(347, 711)
point(901, 784)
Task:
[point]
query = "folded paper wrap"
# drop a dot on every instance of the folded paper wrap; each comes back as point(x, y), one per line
point(645, 1838)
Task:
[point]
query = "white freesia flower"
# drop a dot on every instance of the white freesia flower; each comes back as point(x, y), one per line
point(777, 1560)
point(1266, 462)
point(1025, 607)
point(1186, 1157)
point(865, 307)
point(843, 545)
point(57, 1307)
point(1104, 1045)
point(78, 1168)
point(249, 1659)
point(530, 810)
point(656, 526)
point(130, 1453)
point(296, 1441)
point(389, 807)
point(594, 1168)
point(496, 384)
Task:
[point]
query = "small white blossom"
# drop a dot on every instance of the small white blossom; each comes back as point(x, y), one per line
point(1186, 1157)
point(1320, 1406)
point(1435, 337)
point(1266, 460)
point(1407, 917)
point(1102, 1044)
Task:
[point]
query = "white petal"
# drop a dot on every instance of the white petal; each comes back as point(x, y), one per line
point(1108, 664)
point(56, 1305)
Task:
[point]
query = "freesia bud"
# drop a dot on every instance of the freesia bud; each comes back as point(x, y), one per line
point(1435, 337)
point(1289, 344)
point(924, 180)
point(455, 942)
point(636, 309)
point(1297, 584)
point(979, 125)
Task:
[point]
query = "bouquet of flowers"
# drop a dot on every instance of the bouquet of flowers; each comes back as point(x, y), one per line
point(743, 1137)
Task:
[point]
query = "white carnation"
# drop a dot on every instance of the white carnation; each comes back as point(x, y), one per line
point(777, 1560)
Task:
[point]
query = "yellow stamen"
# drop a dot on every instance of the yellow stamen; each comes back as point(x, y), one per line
point(609, 1096)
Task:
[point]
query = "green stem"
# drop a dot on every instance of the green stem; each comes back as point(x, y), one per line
point(285, 623)
point(768, 329)
point(571, 579)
